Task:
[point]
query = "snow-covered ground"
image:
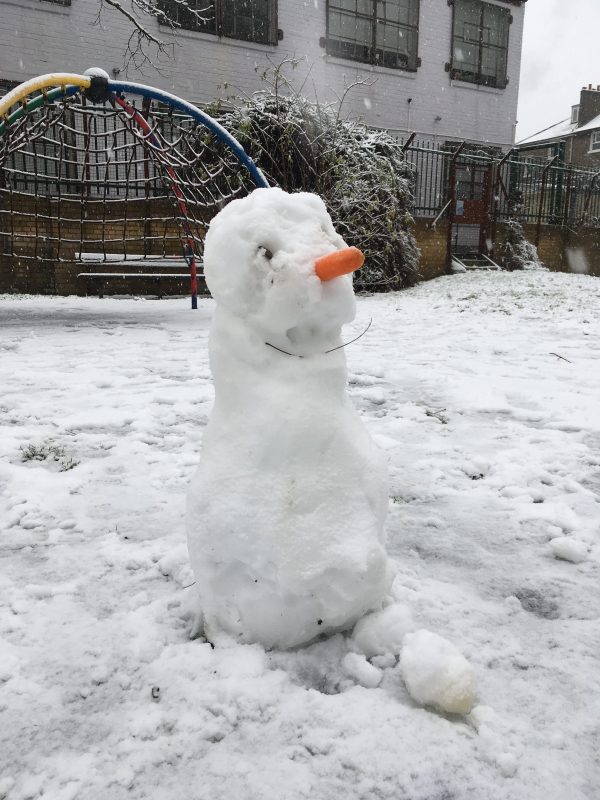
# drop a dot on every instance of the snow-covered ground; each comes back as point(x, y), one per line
point(484, 390)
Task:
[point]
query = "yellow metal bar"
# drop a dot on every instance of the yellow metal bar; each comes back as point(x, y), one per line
point(39, 83)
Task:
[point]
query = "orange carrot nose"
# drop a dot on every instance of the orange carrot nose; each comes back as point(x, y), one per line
point(340, 262)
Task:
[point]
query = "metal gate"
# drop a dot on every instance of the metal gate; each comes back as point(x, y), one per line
point(472, 198)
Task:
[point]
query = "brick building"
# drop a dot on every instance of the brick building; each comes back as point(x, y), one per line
point(575, 139)
point(447, 69)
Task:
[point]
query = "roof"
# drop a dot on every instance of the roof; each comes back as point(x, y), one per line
point(560, 130)
point(590, 126)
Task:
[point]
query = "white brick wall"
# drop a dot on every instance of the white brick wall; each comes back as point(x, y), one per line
point(38, 37)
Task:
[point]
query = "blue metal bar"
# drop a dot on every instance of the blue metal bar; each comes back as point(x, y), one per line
point(199, 116)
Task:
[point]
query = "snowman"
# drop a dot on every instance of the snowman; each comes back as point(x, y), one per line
point(286, 512)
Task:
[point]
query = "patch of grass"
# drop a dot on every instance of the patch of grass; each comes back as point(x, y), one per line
point(48, 451)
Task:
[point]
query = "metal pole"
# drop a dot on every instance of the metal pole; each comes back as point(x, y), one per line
point(589, 194)
point(452, 199)
point(541, 205)
point(569, 190)
point(495, 202)
point(408, 142)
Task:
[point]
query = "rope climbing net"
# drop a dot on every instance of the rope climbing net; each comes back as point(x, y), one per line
point(111, 171)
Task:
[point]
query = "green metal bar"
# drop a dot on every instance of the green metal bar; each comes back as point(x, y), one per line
point(36, 102)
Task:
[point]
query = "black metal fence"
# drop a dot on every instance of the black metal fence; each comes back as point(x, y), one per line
point(96, 148)
point(508, 185)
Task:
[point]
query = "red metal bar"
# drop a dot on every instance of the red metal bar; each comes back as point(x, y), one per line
point(189, 248)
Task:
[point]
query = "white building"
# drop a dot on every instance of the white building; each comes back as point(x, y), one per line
point(447, 69)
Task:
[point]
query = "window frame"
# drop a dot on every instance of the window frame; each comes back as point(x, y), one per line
point(218, 11)
point(575, 115)
point(594, 142)
point(373, 49)
point(457, 74)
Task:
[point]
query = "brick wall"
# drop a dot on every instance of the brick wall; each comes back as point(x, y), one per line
point(578, 151)
point(563, 249)
point(45, 259)
point(432, 243)
point(39, 37)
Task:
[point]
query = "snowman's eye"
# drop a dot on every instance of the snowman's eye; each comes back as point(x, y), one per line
point(266, 252)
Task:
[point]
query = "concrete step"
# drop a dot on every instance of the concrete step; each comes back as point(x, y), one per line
point(473, 262)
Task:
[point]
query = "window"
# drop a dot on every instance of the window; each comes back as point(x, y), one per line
point(58, 2)
point(574, 114)
point(480, 43)
point(249, 20)
point(595, 142)
point(383, 32)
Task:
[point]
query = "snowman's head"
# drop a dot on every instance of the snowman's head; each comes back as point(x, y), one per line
point(263, 257)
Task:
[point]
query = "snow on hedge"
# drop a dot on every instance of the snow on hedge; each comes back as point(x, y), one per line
point(361, 175)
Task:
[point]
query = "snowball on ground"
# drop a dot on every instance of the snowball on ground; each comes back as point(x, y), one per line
point(436, 673)
point(568, 549)
point(358, 668)
point(286, 512)
point(382, 632)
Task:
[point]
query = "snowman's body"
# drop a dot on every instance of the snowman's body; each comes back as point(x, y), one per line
point(286, 511)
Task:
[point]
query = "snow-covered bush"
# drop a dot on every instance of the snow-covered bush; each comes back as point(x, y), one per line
point(360, 174)
point(516, 252)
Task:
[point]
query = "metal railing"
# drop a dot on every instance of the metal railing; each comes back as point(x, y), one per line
point(512, 185)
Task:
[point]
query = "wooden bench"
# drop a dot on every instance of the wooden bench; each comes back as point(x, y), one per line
point(154, 269)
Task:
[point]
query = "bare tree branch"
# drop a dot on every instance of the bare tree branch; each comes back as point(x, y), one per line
point(139, 13)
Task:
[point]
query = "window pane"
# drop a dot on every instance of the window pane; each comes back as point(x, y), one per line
point(247, 19)
point(350, 33)
point(393, 23)
point(496, 23)
point(466, 56)
point(493, 67)
point(404, 12)
point(199, 15)
point(480, 42)
point(466, 12)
